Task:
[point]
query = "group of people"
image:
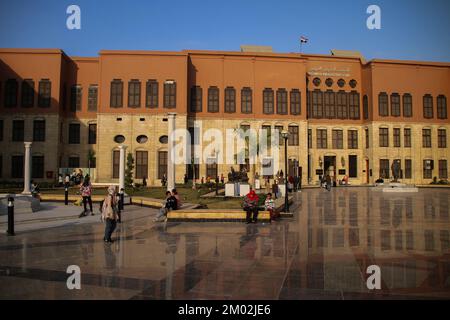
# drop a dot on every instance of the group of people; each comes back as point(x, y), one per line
point(172, 202)
point(251, 207)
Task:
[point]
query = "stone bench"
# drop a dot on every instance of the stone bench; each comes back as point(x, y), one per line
point(225, 215)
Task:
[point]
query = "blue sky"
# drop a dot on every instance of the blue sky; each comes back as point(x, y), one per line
point(410, 29)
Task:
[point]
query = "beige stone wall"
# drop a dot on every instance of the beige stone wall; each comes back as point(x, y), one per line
point(131, 127)
point(340, 154)
point(49, 149)
point(416, 153)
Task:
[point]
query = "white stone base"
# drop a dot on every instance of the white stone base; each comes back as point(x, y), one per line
point(22, 204)
point(229, 190)
point(244, 189)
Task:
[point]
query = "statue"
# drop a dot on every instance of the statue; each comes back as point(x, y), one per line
point(395, 167)
point(236, 177)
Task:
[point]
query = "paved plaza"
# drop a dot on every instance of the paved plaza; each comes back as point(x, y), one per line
point(322, 253)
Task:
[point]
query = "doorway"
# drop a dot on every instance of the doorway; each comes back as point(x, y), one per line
point(330, 166)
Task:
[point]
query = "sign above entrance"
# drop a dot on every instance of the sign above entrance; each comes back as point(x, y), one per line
point(329, 72)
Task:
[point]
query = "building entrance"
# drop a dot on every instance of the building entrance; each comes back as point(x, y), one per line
point(330, 166)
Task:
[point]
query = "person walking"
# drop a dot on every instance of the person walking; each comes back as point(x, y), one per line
point(86, 192)
point(251, 206)
point(109, 213)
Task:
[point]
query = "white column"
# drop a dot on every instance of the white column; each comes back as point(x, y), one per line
point(27, 169)
point(122, 149)
point(170, 162)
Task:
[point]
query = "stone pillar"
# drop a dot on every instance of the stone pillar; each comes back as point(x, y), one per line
point(27, 169)
point(170, 162)
point(122, 149)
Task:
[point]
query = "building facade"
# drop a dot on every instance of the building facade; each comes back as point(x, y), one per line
point(345, 116)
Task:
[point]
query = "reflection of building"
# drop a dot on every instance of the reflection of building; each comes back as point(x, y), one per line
point(345, 116)
point(408, 237)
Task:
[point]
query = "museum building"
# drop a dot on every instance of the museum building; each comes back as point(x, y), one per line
point(345, 116)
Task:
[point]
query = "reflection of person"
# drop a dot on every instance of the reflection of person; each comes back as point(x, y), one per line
point(251, 206)
point(109, 213)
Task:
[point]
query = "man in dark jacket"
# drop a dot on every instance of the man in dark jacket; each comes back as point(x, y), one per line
point(170, 204)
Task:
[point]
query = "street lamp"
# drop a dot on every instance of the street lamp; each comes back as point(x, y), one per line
point(285, 136)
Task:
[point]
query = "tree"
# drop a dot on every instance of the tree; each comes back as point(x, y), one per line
point(129, 170)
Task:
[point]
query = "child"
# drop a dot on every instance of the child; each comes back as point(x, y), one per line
point(269, 205)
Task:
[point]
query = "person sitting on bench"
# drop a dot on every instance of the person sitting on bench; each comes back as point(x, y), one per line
point(251, 206)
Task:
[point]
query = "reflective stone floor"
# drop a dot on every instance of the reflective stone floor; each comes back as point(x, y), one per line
point(322, 253)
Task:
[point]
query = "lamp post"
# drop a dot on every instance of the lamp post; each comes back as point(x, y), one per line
point(285, 135)
point(193, 173)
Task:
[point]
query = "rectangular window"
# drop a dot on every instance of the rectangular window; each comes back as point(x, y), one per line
point(293, 136)
point(116, 164)
point(18, 130)
point(282, 101)
point(170, 94)
point(321, 139)
point(141, 164)
point(329, 106)
point(268, 133)
point(443, 169)
point(383, 105)
point(395, 105)
point(75, 98)
point(408, 168)
point(428, 106)
point(342, 105)
point(309, 138)
point(39, 130)
point(196, 99)
point(352, 139)
point(367, 138)
point(407, 105)
point(92, 138)
point(427, 169)
point(268, 103)
point(211, 170)
point(92, 97)
point(134, 94)
point(280, 138)
point(442, 138)
point(151, 94)
point(397, 137)
point(74, 133)
point(407, 137)
point(441, 107)
point(353, 166)
point(11, 91)
point(116, 98)
point(338, 139)
point(162, 164)
point(45, 93)
point(37, 167)
point(365, 107)
point(384, 137)
point(213, 99)
point(353, 106)
point(230, 100)
point(246, 100)
point(296, 107)
point(17, 167)
point(27, 93)
point(74, 162)
point(317, 104)
point(426, 138)
point(384, 168)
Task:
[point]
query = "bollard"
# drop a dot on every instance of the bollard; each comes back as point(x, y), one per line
point(10, 216)
point(66, 195)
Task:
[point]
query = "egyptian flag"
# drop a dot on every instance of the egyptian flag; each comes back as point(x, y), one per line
point(303, 39)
